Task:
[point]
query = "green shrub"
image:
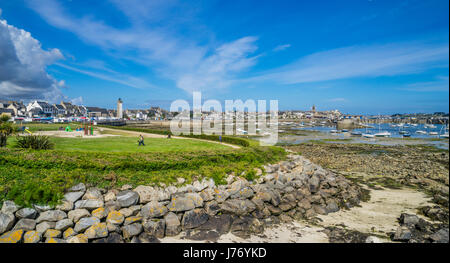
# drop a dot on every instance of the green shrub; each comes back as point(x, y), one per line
point(226, 139)
point(36, 142)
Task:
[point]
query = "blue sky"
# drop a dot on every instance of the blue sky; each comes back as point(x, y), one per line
point(360, 56)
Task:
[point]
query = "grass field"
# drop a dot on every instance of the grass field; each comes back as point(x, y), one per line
point(42, 176)
point(129, 144)
point(34, 127)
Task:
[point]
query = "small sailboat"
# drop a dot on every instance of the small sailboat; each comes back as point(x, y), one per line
point(421, 132)
point(382, 133)
point(433, 133)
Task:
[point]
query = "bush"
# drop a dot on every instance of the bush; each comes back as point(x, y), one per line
point(36, 142)
point(226, 139)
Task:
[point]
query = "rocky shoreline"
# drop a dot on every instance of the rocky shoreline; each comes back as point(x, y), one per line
point(291, 190)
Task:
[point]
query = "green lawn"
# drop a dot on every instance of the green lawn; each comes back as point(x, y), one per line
point(129, 144)
point(33, 127)
point(42, 176)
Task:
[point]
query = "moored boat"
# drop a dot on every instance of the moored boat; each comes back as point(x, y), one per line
point(383, 134)
point(368, 135)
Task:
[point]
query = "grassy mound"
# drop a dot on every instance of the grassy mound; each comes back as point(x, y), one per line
point(34, 176)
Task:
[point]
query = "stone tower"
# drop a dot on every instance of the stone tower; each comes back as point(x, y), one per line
point(119, 108)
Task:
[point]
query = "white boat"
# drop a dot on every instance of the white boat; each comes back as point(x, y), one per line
point(333, 131)
point(431, 126)
point(356, 133)
point(421, 132)
point(433, 133)
point(445, 136)
point(368, 135)
point(383, 134)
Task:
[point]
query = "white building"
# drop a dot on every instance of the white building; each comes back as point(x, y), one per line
point(42, 107)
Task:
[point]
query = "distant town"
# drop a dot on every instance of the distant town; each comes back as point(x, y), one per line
point(38, 110)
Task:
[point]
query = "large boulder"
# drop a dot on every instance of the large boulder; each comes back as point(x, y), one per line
point(32, 237)
point(127, 198)
point(172, 224)
point(9, 207)
point(115, 218)
point(98, 230)
point(146, 194)
point(111, 238)
point(198, 200)
point(153, 209)
point(44, 226)
point(180, 204)
point(155, 227)
point(85, 223)
point(402, 234)
point(65, 206)
point(238, 207)
point(77, 214)
point(26, 213)
point(314, 183)
point(51, 216)
point(6, 222)
point(14, 236)
point(25, 224)
point(63, 224)
point(194, 218)
point(131, 230)
point(219, 223)
point(77, 188)
point(73, 196)
point(93, 193)
point(90, 204)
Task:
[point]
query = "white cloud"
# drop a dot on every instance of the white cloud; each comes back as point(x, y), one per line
point(77, 101)
point(282, 47)
point(23, 65)
point(361, 61)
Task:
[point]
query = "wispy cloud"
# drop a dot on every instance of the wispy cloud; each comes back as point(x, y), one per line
point(191, 66)
point(116, 77)
point(282, 47)
point(361, 61)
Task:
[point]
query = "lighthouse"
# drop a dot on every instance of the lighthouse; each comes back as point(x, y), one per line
point(119, 108)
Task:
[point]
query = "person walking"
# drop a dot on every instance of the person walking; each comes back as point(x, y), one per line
point(141, 140)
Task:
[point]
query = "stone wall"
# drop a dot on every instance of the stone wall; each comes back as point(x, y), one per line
point(293, 189)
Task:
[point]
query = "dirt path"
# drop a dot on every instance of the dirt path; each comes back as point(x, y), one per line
point(149, 135)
